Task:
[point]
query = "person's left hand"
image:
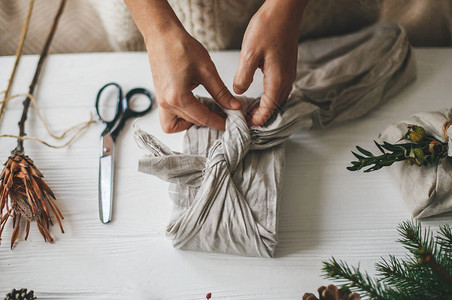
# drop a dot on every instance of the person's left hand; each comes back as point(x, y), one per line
point(271, 44)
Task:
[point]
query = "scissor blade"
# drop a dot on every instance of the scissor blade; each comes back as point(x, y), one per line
point(106, 178)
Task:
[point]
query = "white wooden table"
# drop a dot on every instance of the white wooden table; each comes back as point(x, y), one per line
point(326, 210)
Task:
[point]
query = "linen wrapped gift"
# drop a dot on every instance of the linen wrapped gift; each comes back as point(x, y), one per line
point(426, 189)
point(226, 187)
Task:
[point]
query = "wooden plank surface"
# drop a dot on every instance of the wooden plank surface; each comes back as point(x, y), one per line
point(326, 210)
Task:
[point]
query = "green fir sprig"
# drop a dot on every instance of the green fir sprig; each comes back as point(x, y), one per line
point(425, 274)
point(420, 149)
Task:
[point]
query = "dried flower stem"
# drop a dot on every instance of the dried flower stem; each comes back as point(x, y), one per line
point(18, 56)
point(42, 57)
point(20, 181)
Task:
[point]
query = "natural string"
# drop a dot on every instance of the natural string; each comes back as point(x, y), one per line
point(18, 56)
point(78, 128)
point(446, 126)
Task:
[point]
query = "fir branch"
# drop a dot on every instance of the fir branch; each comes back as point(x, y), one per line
point(407, 277)
point(424, 275)
point(445, 239)
point(353, 278)
point(422, 245)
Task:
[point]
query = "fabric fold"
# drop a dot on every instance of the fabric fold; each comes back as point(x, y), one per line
point(348, 76)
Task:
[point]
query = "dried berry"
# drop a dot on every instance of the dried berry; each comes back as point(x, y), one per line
point(415, 133)
point(436, 147)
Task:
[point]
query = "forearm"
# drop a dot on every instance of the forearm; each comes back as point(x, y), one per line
point(154, 18)
point(179, 63)
point(287, 11)
point(270, 43)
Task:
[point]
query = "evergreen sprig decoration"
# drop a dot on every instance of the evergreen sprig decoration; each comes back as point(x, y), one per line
point(425, 274)
point(421, 149)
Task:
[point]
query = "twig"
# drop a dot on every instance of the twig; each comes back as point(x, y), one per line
point(18, 56)
point(42, 57)
point(440, 270)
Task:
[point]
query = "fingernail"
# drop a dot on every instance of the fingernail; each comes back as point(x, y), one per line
point(235, 104)
point(238, 89)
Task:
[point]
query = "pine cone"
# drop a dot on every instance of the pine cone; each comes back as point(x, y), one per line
point(30, 198)
point(21, 294)
point(331, 293)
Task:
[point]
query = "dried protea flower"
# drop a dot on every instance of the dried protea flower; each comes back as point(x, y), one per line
point(30, 198)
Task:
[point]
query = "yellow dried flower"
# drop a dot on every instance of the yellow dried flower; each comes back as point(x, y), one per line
point(415, 133)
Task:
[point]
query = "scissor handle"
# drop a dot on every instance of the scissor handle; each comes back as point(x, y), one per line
point(127, 112)
point(126, 105)
point(119, 107)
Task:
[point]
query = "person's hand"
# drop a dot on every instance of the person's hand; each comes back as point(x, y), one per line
point(271, 44)
point(179, 63)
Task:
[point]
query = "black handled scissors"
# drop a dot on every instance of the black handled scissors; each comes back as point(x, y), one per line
point(107, 143)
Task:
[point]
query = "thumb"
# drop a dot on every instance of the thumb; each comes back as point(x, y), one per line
point(245, 73)
point(219, 92)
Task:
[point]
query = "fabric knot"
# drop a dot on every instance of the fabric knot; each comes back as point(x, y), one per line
point(234, 144)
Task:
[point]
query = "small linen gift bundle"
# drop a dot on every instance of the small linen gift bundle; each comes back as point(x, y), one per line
point(226, 187)
point(426, 189)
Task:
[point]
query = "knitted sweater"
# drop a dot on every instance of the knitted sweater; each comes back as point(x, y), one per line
point(105, 25)
point(221, 24)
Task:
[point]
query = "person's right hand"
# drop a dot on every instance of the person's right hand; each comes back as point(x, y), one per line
point(179, 63)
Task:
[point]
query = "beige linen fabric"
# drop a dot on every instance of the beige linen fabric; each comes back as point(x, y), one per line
point(226, 187)
point(427, 190)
